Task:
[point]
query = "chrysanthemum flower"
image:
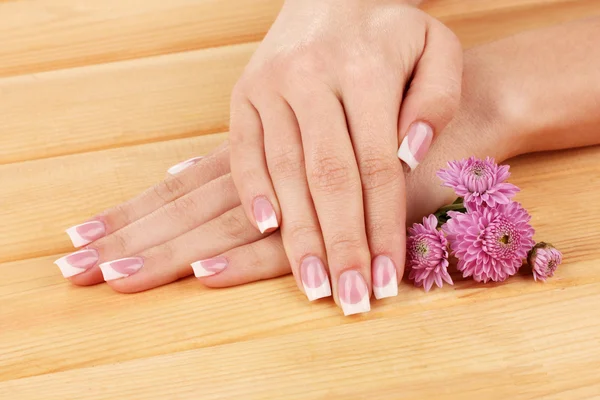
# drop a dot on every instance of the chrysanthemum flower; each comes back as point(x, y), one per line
point(427, 254)
point(479, 182)
point(543, 260)
point(490, 243)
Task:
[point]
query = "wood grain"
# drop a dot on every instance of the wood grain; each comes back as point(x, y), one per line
point(99, 98)
point(411, 356)
point(41, 301)
point(186, 94)
point(62, 191)
point(45, 35)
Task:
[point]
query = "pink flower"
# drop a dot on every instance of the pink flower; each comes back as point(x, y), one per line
point(543, 260)
point(490, 243)
point(427, 254)
point(479, 182)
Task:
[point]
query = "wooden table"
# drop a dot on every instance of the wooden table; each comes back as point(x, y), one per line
point(98, 98)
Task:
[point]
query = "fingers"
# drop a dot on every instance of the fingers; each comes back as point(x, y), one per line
point(433, 96)
point(373, 129)
point(264, 259)
point(300, 229)
point(249, 166)
point(162, 225)
point(175, 186)
point(172, 260)
point(334, 184)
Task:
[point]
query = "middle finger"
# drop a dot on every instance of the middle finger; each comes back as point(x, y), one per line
point(334, 183)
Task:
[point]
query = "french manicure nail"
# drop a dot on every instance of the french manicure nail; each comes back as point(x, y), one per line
point(77, 263)
point(86, 233)
point(415, 145)
point(209, 267)
point(354, 293)
point(121, 268)
point(314, 278)
point(175, 169)
point(385, 280)
point(265, 215)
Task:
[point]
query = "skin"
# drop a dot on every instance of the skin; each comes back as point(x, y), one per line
point(316, 119)
point(511, 104)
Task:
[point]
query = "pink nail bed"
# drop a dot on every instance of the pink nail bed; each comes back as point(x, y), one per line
point(121, 268)
point(416, 144)
point(264, 215)
point(314, 278)
point(175, 169)
point(209, 267)
point(353, 293)
point(385, 280)
point(77, 263)
point(86, 233)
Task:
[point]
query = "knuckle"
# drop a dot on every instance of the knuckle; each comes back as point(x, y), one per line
point(301, 233)
point(116, 245)
point(286, 163)
point(384, 234)
point(344, 243)
point(182, 211)
point(235, 225)
point(377, 171)
point(304, 61)
point(120, 215)
point(169, 189)
point(332, 175)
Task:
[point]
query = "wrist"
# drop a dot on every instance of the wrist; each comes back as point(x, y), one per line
point(497, 105)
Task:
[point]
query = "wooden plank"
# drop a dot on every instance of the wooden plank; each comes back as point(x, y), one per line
point(40, 307)
point(112, 105)
point(52, 194)
point(45, 35)
point(173, 96)
point(519, 347)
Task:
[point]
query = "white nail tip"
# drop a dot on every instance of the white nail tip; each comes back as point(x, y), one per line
point(389, 290)
point(109, 273)
point(175, 169)
point(268, 224)
point(200, 271)
point(67, 269)
point(362, 306)
point(318, 293)
point(405, 155)
point(76, 238)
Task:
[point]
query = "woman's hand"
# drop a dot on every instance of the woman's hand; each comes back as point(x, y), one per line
point(194, 216)
point(315, 123)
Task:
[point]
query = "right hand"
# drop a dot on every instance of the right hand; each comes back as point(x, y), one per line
point(317, 120)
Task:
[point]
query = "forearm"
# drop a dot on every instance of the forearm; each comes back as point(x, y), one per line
point(547, 84)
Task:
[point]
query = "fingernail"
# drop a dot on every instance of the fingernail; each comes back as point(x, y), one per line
point(77, 263)
point(415, 145)
point(86, 233)
point(354, 293)
point(209, 267)
point(121, 268)
point(385, 281)
point(314, 278)
point(265, 215)
point(175, 169)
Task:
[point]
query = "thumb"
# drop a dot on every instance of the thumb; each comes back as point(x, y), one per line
point(433, 96)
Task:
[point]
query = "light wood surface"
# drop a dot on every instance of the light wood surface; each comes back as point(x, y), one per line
point(98, 98)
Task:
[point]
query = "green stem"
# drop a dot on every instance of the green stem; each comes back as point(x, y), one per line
point(442, 213)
